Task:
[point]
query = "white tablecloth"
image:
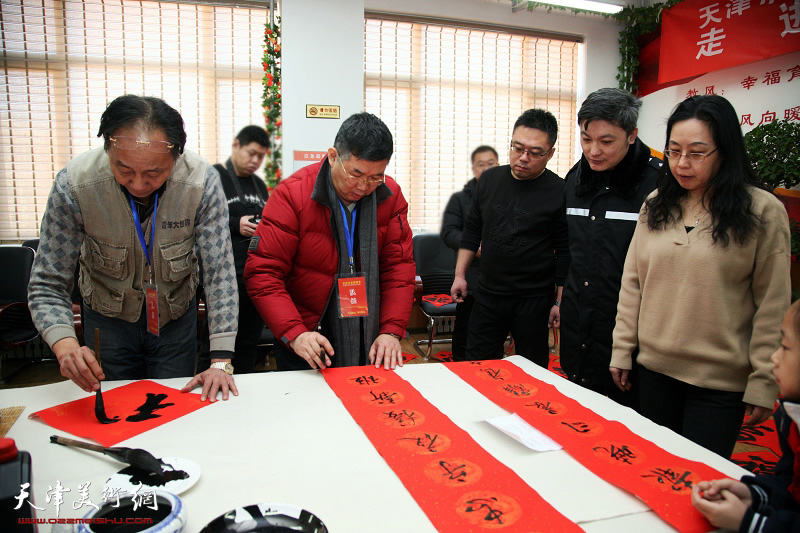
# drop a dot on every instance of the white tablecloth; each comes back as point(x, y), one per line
point(287, 439)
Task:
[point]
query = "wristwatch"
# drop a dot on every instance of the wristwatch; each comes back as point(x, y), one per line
point(558, 303)
point(224, 366)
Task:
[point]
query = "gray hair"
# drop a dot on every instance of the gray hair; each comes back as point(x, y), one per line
point(617, 106)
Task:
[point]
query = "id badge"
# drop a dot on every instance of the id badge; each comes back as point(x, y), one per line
point(151, 296)
point(352, 291)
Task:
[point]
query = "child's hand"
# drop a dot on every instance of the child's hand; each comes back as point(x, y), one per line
point(722, 502)
point(710, 490)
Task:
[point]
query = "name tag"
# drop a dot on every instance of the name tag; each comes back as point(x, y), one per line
point(151, 296)
point(352, 296)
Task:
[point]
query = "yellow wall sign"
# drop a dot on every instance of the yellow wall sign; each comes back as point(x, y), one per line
point(322, 111)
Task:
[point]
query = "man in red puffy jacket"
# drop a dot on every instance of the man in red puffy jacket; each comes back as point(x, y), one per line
point(331, 267)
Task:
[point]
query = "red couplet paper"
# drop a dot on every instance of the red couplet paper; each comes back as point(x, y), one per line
point(608, 448)
point(458, 484)
point(140, 406)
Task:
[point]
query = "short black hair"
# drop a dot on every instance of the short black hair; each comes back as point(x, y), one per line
point(147, 112)
point(480, 149)
point(365, 136)
point(253, 134)
point(616, 106)
point(539, 119)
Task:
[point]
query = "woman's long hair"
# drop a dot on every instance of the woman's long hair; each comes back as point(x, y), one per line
point(727, 195)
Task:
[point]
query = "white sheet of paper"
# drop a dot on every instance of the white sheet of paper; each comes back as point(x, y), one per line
point(514, 426)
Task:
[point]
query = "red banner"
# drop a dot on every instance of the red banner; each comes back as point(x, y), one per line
point(699, 36)
point(608, 448)
point(458, 484)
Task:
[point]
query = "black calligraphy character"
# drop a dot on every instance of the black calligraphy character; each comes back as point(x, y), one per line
point(427, 442)
point(494, 373)
point(366, 380)
point(455, 473)
point(403, 418)
point(757, 465)
point(148, 408)
point(492, 515)
point(580, 427)
point(516, 389)
point(622, 453)
point(544, 407)
point(383, 397)
point(667, 475)
point(752, 433)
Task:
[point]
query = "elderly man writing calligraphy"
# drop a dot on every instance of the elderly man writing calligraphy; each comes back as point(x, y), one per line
point(133, 213)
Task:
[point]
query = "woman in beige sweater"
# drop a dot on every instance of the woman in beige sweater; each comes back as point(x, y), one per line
point(705, 284)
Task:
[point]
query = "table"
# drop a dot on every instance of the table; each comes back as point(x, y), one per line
point(287, 439)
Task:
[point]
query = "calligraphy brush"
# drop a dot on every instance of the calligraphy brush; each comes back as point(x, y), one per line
point(99, 406)
point(133, 456)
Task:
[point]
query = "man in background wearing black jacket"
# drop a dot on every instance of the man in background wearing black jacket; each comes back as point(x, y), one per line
point(455, 215)
point(246, 194)
point(518, 219)
point(605, 191)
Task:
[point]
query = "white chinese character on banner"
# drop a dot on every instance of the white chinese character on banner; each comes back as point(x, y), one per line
point(710, 45)
point(737, 7)
point(708, 13)
point(57, 495)
point(83, 492)
point(790, 18)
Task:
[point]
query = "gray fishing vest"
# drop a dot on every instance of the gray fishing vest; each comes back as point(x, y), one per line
point(112, 262)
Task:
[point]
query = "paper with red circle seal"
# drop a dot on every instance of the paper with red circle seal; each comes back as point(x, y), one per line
point(140, 406)
point(606, 447)
point(458, 484)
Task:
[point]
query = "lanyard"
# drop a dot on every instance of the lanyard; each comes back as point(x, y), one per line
point(139, 230)
point(349, 233)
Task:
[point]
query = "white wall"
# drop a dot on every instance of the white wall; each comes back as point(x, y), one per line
point(761, 98)
point(323, 54)
point(322, 63)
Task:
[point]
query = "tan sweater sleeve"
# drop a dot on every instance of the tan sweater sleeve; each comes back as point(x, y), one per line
point(772, 295)
point(626, 330)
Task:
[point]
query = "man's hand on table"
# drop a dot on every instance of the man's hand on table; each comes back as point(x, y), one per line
point(386, 350)
point(312, 346)
point(213, 380)
point(78, 363)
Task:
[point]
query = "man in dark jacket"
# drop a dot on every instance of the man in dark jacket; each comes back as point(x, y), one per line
point(518, 220)
point(331, 265)
point(246, 195)
point(455, 215)
point(604, 192)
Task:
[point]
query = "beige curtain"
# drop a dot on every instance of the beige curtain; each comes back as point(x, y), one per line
point(444, 90)
point(63, 61)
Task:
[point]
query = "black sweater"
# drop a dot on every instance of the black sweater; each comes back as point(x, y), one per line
point(521, 226)
point(248, 204)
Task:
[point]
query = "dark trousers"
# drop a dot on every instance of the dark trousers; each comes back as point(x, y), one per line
point(129, 351)
point(493, 317)
point(461, 328)
point(248, 334)
point(710, 418)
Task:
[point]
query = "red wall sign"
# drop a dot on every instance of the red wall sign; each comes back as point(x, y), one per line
point(699, 36)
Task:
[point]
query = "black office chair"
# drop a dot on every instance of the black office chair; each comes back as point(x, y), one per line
point(16, 324)
point(436, 265)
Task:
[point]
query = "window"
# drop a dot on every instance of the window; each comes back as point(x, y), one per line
point(64, 61)
point(444, 90)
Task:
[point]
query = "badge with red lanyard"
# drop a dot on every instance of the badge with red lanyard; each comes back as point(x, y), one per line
point(150, 289)
point(351, 287)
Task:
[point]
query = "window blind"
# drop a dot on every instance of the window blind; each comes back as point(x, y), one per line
point(64, 61)
point(444, 90)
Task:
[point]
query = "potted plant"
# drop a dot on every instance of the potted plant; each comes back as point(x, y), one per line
point(774, 150)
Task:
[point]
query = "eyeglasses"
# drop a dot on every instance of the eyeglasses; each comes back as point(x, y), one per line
point(534, 155)
point(131, 143)
point(693, 157)
point(369, 181)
